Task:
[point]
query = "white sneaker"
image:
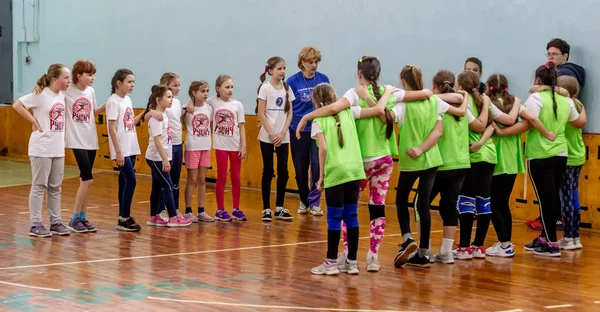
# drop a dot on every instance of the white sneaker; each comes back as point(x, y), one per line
point(349, 266)
point(341, 262)
point(578, 243)
point(478, 252)
point(373, 264)
point(302, 209)
point(461, 253)
point(191, 216)
point(447, 258)
point(326, 269)
point(498, 251)
point(204, 217)
point(567, 243)
point(164, 215)
point(316, 211)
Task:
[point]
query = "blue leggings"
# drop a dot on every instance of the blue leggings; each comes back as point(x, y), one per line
point(162, 189)
point(127, 184)
point(569, 199)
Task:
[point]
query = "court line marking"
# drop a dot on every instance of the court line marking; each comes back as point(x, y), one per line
point(93, 207)
point(597, 302)
point(262, 306)
point(23, 212)
point(199, 252)
point(143, 202)
point(27, 286)
point(558, 306)
point(114, 205)
point(515, 310)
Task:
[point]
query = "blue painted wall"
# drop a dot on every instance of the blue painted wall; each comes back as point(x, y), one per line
point(201, 39)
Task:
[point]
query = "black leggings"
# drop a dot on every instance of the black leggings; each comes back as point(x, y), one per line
point(85, 162)
point(477, 187)
point(502, 186)
point(406, 180)
point(266, 150)
point(448, 184)
point(546, 176)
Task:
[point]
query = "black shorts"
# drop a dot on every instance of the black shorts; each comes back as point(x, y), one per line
point(85, 162)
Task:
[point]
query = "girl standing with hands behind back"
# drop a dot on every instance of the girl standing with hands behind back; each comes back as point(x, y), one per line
point(46, 147)
point(275, 114)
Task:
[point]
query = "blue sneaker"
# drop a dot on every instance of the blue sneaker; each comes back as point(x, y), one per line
point(222, 215)
point(238, 215)
point(547, 250)
point(537, 242)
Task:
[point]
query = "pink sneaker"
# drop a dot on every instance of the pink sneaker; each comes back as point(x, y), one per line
point(178, 221)
point(478, 252)
point(156, 221)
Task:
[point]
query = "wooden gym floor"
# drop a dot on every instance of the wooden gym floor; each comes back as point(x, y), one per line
point(256, 266)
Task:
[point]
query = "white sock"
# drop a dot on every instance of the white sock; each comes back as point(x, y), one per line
point(446, 245)
point(405, 237)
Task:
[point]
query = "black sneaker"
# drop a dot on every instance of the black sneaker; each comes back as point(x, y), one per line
point(77, 226)
point(88, 225)
point(128, 225)
point(537, 242)
point(419, 261)
point(406, 249)
point(283, 214)
point(548, 250)
point(267, 215)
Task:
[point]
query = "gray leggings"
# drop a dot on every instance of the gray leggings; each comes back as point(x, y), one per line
point(47, 175)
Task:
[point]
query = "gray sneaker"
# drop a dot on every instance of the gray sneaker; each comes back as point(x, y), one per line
point(77, 226)
point(59, 229)
point(38, 230)
point(349, 267)
point(316, 211)
point(302, 209)
point(444, 258)
point(204, 217)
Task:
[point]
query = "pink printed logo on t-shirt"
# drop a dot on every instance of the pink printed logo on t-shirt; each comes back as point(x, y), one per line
point(81, 110)
point(200, 125)
point(224, 122)
point(128, 123)
point(57, 117)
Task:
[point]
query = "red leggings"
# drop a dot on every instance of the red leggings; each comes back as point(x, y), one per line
point(236, 166)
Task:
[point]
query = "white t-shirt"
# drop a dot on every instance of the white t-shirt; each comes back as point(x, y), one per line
point(316, 128)
point(400, 110)
point(49, 111)
point(354, 99)
point(174, 113)
point(81, 120)
point(197, 126)
point(162, 129)
point(274, 110)
point(227, 117)
point(534, 105)
point(121, 109)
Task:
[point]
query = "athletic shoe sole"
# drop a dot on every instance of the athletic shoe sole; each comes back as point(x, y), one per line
point(400, 260)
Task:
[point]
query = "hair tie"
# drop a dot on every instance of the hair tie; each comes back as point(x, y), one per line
point(547, 65)
point(446, 82)
point(337, 124)
point(360, 61)
point(491, 88)
point(474, 89)
point(505, 89)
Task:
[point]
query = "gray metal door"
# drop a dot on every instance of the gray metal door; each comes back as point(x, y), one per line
point(6, 65)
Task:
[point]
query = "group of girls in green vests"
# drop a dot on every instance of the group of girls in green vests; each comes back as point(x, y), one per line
point(459, 143)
